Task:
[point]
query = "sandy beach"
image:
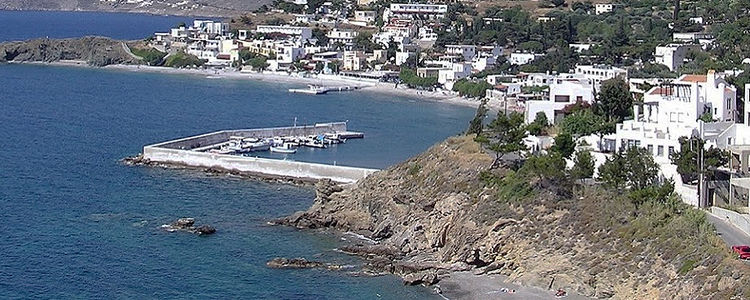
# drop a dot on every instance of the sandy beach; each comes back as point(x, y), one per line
point(446, 97)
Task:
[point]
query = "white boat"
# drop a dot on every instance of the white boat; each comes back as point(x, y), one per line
point(286, 148)
point(311, 89)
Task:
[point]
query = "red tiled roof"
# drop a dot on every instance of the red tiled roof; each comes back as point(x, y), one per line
point(693, 78)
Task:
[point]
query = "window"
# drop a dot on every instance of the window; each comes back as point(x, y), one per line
point(562, 98)
point(579, 98)
point(671, 149)
point(729, 141)
point(650, 149)
point(660, 150)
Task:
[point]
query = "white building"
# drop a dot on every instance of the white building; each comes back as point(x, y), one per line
point(367, 16)
point(519, 58)
point(580, 47)
point(563, 91)
point(354, 61)
point(211, 27)
point(415, 11)
point(672, 110)
point(689, 37)
point(467, 51)
point(599, 73)
point(342, 36)
point(603, 8)
point(673, 55)
point(534, 79)
point(403, 56)
point(304, 33)
point(457, 72)
point(483, 63)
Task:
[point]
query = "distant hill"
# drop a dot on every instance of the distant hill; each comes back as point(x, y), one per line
point(208, 8)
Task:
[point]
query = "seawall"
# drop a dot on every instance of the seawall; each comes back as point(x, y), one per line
point(179, 152)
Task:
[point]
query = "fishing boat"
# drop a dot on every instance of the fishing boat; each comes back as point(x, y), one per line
point(286, 148)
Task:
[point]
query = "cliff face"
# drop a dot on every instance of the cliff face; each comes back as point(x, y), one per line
point(433, 214)
point(96, 51)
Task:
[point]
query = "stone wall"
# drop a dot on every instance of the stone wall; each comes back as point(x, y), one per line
point(741, 221)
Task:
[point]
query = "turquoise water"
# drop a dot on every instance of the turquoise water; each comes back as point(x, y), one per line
point(78, 223)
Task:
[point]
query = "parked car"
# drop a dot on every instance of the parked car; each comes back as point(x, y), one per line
point(743, 251)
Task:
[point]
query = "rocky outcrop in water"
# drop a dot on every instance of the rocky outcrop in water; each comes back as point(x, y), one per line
point(95, 51)
point(188, 225)
point(301, 263)
point(434, 214)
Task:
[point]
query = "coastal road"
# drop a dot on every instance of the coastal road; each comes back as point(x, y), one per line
point(728, 232)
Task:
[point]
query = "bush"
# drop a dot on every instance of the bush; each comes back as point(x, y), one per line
point(151, 56)
point(471, 89)
point(182, 60)
point(410, 78)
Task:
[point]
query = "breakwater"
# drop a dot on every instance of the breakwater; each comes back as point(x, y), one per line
point(183, 152)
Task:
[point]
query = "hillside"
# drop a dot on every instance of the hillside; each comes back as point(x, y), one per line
point(444, 211)
point(206, 8)
point(96, 51)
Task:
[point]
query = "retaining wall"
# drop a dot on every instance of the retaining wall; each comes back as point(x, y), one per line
point(222, 136)
point(741, 221)
point(275, 167)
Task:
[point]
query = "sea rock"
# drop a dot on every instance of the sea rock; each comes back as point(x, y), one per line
point(96, 51)
point(187, 225)
point(301, 263)
point(293, 263)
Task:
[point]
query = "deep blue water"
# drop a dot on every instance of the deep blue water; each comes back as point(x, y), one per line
point(78, 224)
point(22, 25)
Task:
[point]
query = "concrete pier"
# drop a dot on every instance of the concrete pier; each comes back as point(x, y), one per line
point(183, 152)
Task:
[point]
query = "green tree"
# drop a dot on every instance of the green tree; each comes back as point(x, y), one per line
point(686, 159)
point(614, 101)
point(564, 145)
point(258, 63)
point(549, 169)
point(634, 168)
point(583, 165)
point(505, 135)
point(476, 125)
point(539, 125)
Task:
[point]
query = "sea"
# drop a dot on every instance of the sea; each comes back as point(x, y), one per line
point(77, 223)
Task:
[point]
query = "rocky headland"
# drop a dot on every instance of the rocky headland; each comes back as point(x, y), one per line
point(445, 211)
point(95, 51)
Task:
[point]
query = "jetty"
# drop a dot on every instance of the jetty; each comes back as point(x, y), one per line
point(229, 150)
point(318, 90)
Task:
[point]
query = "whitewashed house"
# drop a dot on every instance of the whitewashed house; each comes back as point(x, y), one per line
point(563, 91)
point(671, 110)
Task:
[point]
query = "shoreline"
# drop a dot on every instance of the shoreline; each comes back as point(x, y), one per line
point(466, 285)
point(382, 88)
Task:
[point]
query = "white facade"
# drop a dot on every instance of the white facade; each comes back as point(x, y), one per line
point(672, 55)
point(211, 27)
point(305, 33)
point(580, 47)
point(599, 73)
point(483, 63)
point(563, 91)
point(343, 36)
point(671, 111)
point(603, 8)
point(354, 61)
point(467, 51)
point(365, 16)
point(402, 57)
point(408, 10)
point(457, 72)
point(518, 58)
